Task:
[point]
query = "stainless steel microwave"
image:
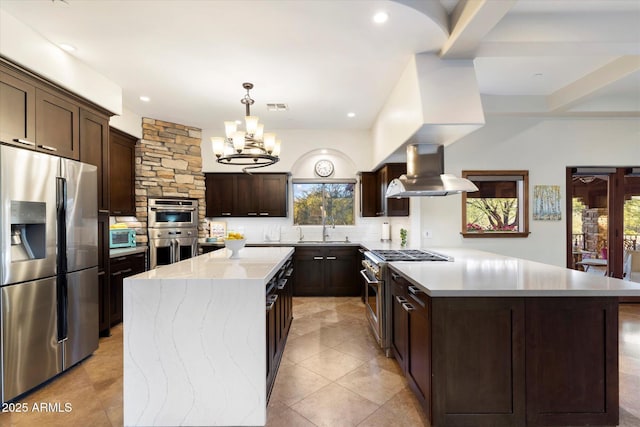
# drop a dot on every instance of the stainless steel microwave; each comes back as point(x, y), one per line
point(122, 238)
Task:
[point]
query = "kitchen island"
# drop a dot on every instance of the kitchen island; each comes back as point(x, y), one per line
point(501, 341)
point(194, 340)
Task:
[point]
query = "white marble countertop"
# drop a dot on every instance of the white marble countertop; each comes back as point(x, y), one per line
point(478, 273)
point(367, 244)
point(255, 264)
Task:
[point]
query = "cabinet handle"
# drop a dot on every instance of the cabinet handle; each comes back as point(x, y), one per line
point(289, 272)
point(271, 300)
point(264, 213)
point(48, 147)
point(331, 257)
point(116, 212)
point(281, 284)
point(395, 276)
point(415, 290)
point(226, 213)
point(117, 273)
point(407, 307)
point(122, 258)
point(25, 142)
point(252, 213)
point(318, 257)
point(128, 270)
point(401, 300)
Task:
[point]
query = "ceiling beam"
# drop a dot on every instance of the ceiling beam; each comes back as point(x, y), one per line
point(565, 98)
point(471, 20)
point(556, 48)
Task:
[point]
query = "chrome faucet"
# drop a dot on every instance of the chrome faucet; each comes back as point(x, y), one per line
point(300, 235)
point(325, 233)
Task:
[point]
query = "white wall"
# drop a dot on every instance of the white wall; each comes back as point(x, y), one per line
point(545, 148)
point(128, 122)
point(26, 47)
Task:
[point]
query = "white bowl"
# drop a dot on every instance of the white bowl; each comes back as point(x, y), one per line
point(235, 245)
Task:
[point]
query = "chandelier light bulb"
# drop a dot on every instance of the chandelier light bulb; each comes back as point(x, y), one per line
point(251, 124)
point(259, 132)
point(238, 141)
point(217, 144)
point(269, 141)
point(276, 149)
point(230, 128)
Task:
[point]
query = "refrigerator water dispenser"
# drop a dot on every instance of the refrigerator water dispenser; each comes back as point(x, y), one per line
point(28, 230)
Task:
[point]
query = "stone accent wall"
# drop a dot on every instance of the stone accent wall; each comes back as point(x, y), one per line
point(169, 164)
point(595, 232)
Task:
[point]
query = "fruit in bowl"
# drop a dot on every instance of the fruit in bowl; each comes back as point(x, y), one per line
point(235, 242)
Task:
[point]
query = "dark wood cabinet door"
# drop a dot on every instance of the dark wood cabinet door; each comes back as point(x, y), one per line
point(122, 147)
point(245, 192)
point(17, 111)
point(369, 195)
point(219, 194)
point(115, 294)
point(94, 149)
point(57, 125)
point(104, 299)
point(399, 321)
point(418, 363)
point(478, 361)
point(572, 353)
point(272, 195)
point(309, 268)
point(341, 266)
point(395, 206)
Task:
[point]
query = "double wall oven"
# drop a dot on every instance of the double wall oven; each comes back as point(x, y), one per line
point(173, 230)
point(376, 275)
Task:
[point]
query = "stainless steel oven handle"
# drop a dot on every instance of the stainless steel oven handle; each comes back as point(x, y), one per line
point(369, 281)
point(171, 209)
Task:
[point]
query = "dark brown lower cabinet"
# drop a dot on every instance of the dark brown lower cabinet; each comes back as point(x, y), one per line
point(279, 315)
point(121, 268)
point(328, 271)
point(525, 361)
point(103, 273)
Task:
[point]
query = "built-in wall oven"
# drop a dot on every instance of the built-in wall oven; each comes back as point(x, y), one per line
point(173, 230)
point(377, 298)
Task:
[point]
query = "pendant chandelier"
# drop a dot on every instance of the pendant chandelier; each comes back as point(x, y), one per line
point(252, 147)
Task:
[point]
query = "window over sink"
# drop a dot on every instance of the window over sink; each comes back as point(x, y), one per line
point(333, 201)
point(501, 206)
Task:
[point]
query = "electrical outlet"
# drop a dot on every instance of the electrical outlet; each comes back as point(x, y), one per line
point(428, 234)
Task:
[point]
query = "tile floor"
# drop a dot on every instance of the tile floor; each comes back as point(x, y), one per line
point(332, 374)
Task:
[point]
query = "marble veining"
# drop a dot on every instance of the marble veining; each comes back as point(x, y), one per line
point(478, 273)
point(194, 351)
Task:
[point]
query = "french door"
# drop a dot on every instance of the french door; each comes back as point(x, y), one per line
point(603, 218)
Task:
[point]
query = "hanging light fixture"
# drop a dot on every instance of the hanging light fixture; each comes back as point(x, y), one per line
point(252, 147)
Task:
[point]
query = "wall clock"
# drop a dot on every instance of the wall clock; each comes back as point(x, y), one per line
point(324, 168)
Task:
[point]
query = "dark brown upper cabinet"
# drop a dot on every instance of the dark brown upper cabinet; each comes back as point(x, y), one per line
point(17, 111)
point(94, 149)
point(373, 189)
point(243, 195)
point(57, 125)
point(122, 146)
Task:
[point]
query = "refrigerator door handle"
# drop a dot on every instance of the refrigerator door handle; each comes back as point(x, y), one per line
point(61, 282)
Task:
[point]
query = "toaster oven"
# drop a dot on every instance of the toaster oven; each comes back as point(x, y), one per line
point(122, 238)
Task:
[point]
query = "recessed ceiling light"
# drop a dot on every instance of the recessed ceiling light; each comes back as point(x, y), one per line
point(145, 98)
point(67, 47)
point(380, 17)
point(60, 2)
point(351, 114)
point(538, 75)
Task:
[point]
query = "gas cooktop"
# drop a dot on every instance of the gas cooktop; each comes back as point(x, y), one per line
point(408, 255)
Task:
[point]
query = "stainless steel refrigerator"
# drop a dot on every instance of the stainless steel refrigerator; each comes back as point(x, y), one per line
point(49, 273)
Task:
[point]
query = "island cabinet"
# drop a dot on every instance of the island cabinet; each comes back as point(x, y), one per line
point(279, 315)
point(373, 188)
point(244, 195)
point(326, 270)
point(507, 361)
point(121, 268)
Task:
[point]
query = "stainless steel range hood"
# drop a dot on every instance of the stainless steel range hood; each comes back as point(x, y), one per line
point(425, 175)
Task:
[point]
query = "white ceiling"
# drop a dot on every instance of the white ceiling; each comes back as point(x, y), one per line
point(326, 58)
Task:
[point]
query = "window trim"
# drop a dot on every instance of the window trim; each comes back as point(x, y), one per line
point(524, 199)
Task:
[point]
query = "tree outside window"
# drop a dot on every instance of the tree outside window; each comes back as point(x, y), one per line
point(500, 207)
point(333, 200)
